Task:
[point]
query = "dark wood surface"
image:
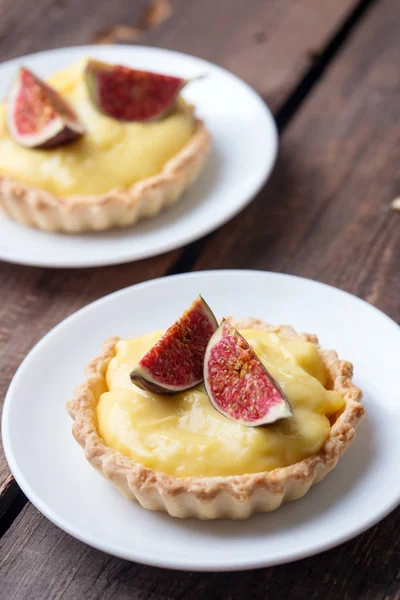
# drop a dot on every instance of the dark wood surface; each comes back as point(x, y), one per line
point(330, 72)
point(40, 561)
point(325, 214)
point(53, 294)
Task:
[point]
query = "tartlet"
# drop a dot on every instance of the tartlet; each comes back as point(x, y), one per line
point(234, 496)
point(54, 208)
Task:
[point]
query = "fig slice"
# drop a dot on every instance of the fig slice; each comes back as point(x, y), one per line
point(37, 116)
point(131, 95)
point(175, 362)
point(238, 384)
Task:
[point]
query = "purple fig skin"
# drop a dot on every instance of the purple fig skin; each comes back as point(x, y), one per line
point(175, 363)
point(65, 136)
point(238, 384)
point(32, 102)
point(147, 385)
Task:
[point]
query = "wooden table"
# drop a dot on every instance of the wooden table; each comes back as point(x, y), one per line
point(329, 69)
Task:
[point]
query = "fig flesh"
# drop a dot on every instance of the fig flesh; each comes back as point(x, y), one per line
point(37, 116)
point(131, 95)
point(175, 363)
point(238, 384)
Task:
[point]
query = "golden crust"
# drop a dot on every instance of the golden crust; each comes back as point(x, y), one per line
point(233, 497)
point(116, 208)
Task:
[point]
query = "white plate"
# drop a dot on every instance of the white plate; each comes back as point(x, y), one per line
point(51, 469)
point(244, 150)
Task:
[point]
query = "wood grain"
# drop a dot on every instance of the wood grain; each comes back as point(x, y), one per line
point(34, 300)
point(40, 561)
point(325, 214)
point(269, 44)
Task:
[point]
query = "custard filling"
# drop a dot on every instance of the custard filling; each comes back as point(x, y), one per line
point(112, 154)
point(184, 435)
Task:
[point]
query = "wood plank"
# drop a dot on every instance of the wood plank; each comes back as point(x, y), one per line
point(267, 43)
point(40, 561)
point(34, 300)
point(325, 214)
point(24, 30)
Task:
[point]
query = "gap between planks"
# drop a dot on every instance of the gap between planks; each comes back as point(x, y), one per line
point(284, 115)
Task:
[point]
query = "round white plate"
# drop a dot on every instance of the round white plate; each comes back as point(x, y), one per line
point(51, 469)
point(243, 153)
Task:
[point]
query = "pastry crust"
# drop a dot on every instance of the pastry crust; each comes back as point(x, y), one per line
point(233, 497)
point(116, 208)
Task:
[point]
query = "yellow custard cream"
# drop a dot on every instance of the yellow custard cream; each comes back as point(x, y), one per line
point(184, 435)
point(111, 155)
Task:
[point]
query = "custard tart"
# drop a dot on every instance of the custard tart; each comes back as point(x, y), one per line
point(181, 454)
point(110, 172)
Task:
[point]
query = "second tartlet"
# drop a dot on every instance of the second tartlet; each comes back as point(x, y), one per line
point(115, 175)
